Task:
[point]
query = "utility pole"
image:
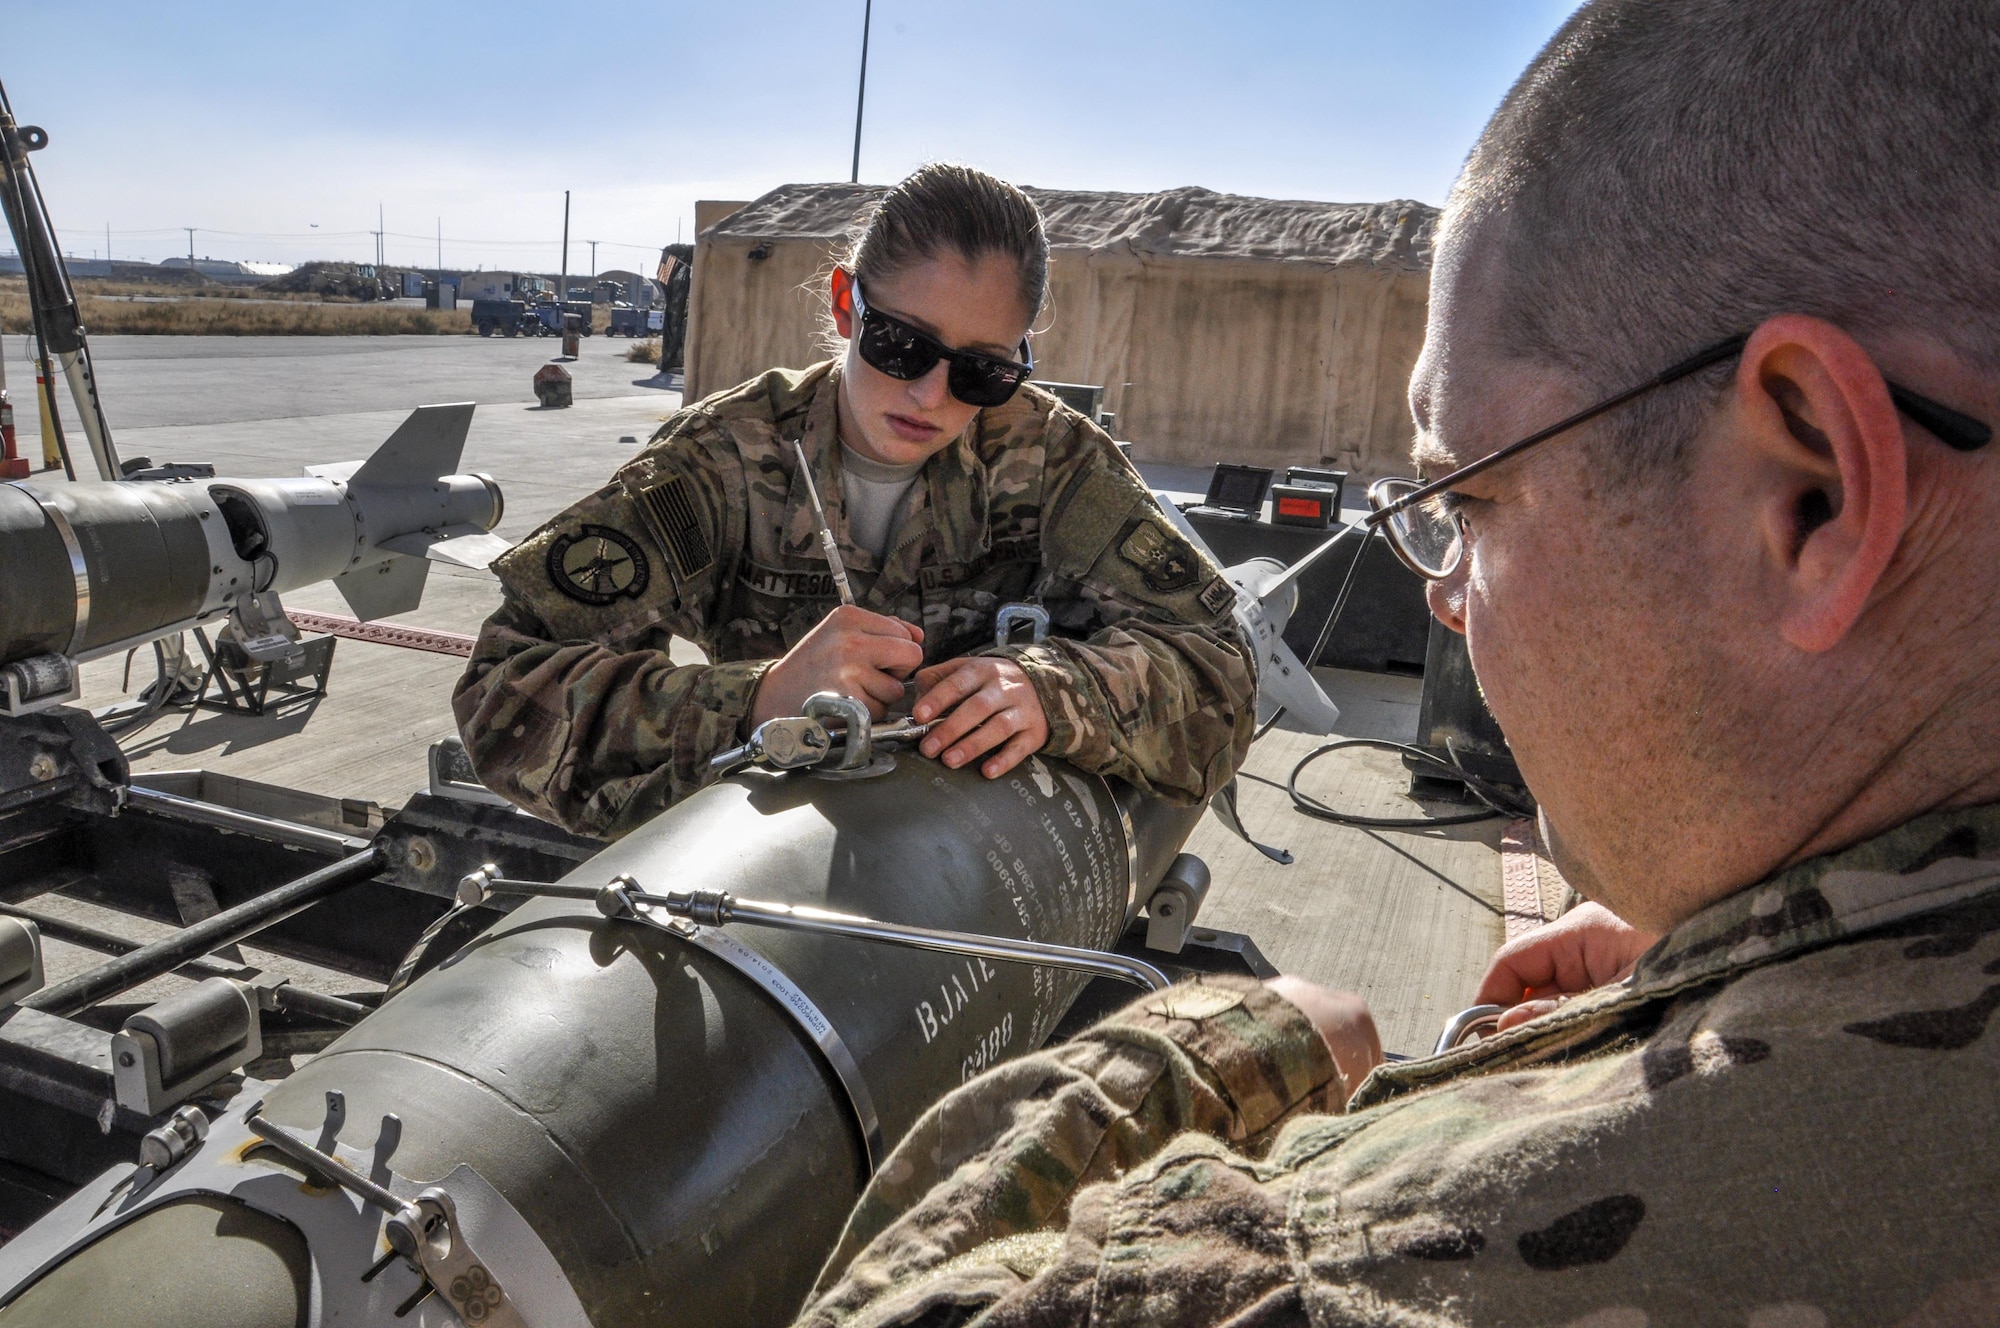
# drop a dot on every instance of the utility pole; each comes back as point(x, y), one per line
point(593, 261)
point(861, 92)
point(379, 228)
point(562, 286)
point(440, 274)
point(190, 231)
point(107, 244)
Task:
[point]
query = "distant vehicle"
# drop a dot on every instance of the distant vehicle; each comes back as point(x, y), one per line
point(550, 314)
point(629, 322)
point(509, 317)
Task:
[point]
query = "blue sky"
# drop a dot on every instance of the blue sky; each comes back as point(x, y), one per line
point(253, 122)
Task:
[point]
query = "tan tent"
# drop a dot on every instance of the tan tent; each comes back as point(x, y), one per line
point(1221, 327)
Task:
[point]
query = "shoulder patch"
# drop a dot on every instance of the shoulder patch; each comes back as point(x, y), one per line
point(1218, 596)
point(669, 513)
point(1194, 1003)
point(598, 565)
point(1163, 559)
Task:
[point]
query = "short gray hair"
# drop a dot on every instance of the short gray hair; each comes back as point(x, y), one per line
point(1669, 172)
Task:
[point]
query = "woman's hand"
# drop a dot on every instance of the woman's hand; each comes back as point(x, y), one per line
point(1586, 947)
point(851, 651)
point(987, 703)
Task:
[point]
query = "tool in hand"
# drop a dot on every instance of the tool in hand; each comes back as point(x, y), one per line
point(833, 563)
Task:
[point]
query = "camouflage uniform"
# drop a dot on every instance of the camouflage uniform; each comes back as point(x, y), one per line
point(1786, 1117)
point(572, 709)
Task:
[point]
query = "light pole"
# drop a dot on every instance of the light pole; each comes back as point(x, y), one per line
point(562, 284)
point(861, 91)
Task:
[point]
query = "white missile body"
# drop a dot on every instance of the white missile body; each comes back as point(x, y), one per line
point(95, 568)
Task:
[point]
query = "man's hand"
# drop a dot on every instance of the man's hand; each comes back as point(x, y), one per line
point(1344, 1024)
point(1586, 947)
point(987, 702)
point(851, 651)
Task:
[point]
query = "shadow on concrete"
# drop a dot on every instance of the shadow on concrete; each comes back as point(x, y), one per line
point(223, 733)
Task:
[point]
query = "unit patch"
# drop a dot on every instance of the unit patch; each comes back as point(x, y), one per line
point(598, 565)
point(1218, 595)
point(1166, 562)
point(669, 512)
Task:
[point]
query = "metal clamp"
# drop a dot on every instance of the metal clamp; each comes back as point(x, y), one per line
point(860, 747)
point(79, 569)
point(713, 908)
point(779, 744)
point(1009, 615)
point(1477, 1019)
point(425, 1231)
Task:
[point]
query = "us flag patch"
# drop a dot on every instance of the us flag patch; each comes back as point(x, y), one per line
point(669, 512)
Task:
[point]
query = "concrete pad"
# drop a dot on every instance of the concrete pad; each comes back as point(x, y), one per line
point(1406, 918)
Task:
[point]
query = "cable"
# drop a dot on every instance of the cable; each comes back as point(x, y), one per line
point(1340, 599)
point(152, 700)
point(1498, 802)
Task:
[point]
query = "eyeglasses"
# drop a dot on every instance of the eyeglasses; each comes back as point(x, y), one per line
point(1429, 536)
point(888, 343)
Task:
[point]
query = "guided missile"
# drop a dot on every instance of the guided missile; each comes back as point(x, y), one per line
point(95, 568)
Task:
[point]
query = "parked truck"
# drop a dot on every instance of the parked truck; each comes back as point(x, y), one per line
point(550, 315)
point(508, 315)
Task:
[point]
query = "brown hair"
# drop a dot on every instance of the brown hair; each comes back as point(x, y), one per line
point(1665, 174)
point(941, 207)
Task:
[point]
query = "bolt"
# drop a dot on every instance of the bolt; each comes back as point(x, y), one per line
point(42, 768)
point(126, 1059)
point(420, 854)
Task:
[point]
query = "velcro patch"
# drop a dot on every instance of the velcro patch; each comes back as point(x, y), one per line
point(1218, 596)
point(1194, 1002)
point(598, 565)
point(1166, 562)
point(669, 512)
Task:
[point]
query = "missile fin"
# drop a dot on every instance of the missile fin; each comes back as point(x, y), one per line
point(464, 545)
point(424, 447)
point(1282, 678)
point(1283, 681)
point(383, 589)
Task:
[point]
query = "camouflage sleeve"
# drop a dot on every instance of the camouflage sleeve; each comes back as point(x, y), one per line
point(973, 1201)
point(572, 706)
point(1146, 677)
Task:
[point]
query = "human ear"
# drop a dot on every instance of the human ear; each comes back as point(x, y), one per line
point(1831, 473)
point(840, 294)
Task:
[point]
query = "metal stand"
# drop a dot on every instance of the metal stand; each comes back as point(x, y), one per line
point(243, 685)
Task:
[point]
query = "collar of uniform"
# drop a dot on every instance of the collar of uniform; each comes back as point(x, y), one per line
point(820, 437)
point(1920, 866)
point(954, 479)
point(958, 496)
point(1925, 864)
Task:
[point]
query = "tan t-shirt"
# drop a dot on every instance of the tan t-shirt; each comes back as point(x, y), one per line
point(878, 496)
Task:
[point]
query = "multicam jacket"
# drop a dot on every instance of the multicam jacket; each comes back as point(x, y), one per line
point(1786, 1117)
point(572, 708)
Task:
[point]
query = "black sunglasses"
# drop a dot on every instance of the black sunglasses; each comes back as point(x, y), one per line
point(908, 353)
